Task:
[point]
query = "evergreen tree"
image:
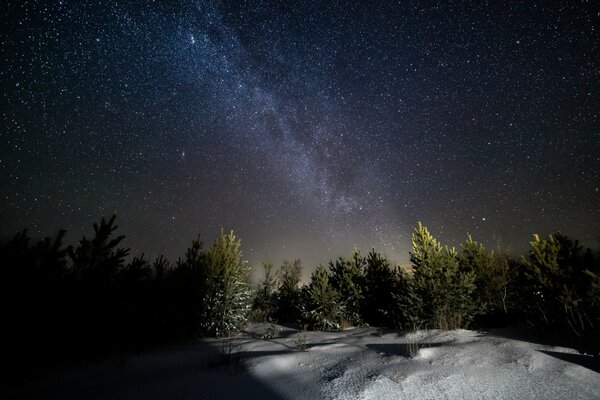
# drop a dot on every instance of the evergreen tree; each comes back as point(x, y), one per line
point(492, 275)
point(380, 282)
point(264, 302)
point(160, 302)
point(406, 302)
point(444, 291)
point(227, 297)
point(561, 282)
point(185, 290)
point(35, 299)
point(322, 310)
point(288, 298)
point(347, 279)
point(98, 303)
point(135, 293)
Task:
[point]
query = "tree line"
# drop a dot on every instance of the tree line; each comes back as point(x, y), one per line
point(556, 286)
point(87, 299)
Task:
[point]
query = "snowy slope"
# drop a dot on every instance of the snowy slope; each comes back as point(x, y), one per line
point(360, 363)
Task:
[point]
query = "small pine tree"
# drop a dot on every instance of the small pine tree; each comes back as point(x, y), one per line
point(322, 310)
point(380, 283)
point(227, 298)
point(347, 280)
point(99, 260)
point(492, 274)
point(185, 290)
point(407, 311)
point(444, 291)
point(36, 301)
point(264, 302)
point(289, 304)
point(97, 266)
point(558, 278)
point(593, 292)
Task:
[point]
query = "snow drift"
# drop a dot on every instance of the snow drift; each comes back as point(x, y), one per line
point(362, 363)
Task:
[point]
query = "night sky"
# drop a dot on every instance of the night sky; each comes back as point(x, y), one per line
point(308, 128)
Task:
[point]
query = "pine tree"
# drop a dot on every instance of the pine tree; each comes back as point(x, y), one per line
point(444, 291)
point(186, 288)
point(289, 303)
point(99, 259)
point(347, 279)
point(321, 301)
point(492, 274)
point(380, 282)
point(97, 266)
point(407, 304)
point(227, 296)
point(35, 300)
point(264, 302)
point(559, 283)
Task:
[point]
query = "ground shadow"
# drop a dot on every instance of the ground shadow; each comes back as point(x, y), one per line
point(589, 362)
point(282, 334)
point(179, 371)
point(587, 343)
point(526, 334)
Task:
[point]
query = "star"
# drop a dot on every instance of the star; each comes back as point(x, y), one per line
point(308, 129)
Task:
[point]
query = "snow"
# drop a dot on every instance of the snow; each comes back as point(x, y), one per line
point(361, 363)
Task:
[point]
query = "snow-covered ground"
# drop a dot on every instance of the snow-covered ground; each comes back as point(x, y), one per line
point(362, 363)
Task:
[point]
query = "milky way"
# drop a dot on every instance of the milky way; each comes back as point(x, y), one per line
point(308, 128)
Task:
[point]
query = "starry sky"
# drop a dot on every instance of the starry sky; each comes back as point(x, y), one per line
point(307, 127)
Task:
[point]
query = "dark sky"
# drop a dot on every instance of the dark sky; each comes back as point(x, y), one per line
point(308, 128)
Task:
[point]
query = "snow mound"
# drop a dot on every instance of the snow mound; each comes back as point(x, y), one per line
point(362, 363)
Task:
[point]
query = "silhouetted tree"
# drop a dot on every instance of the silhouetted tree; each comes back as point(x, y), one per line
point(561, 281)
point(379, 306)
point(186, 289)
point(34, 294)
point(288, 297)
point(348, 280)
point(264, 301)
